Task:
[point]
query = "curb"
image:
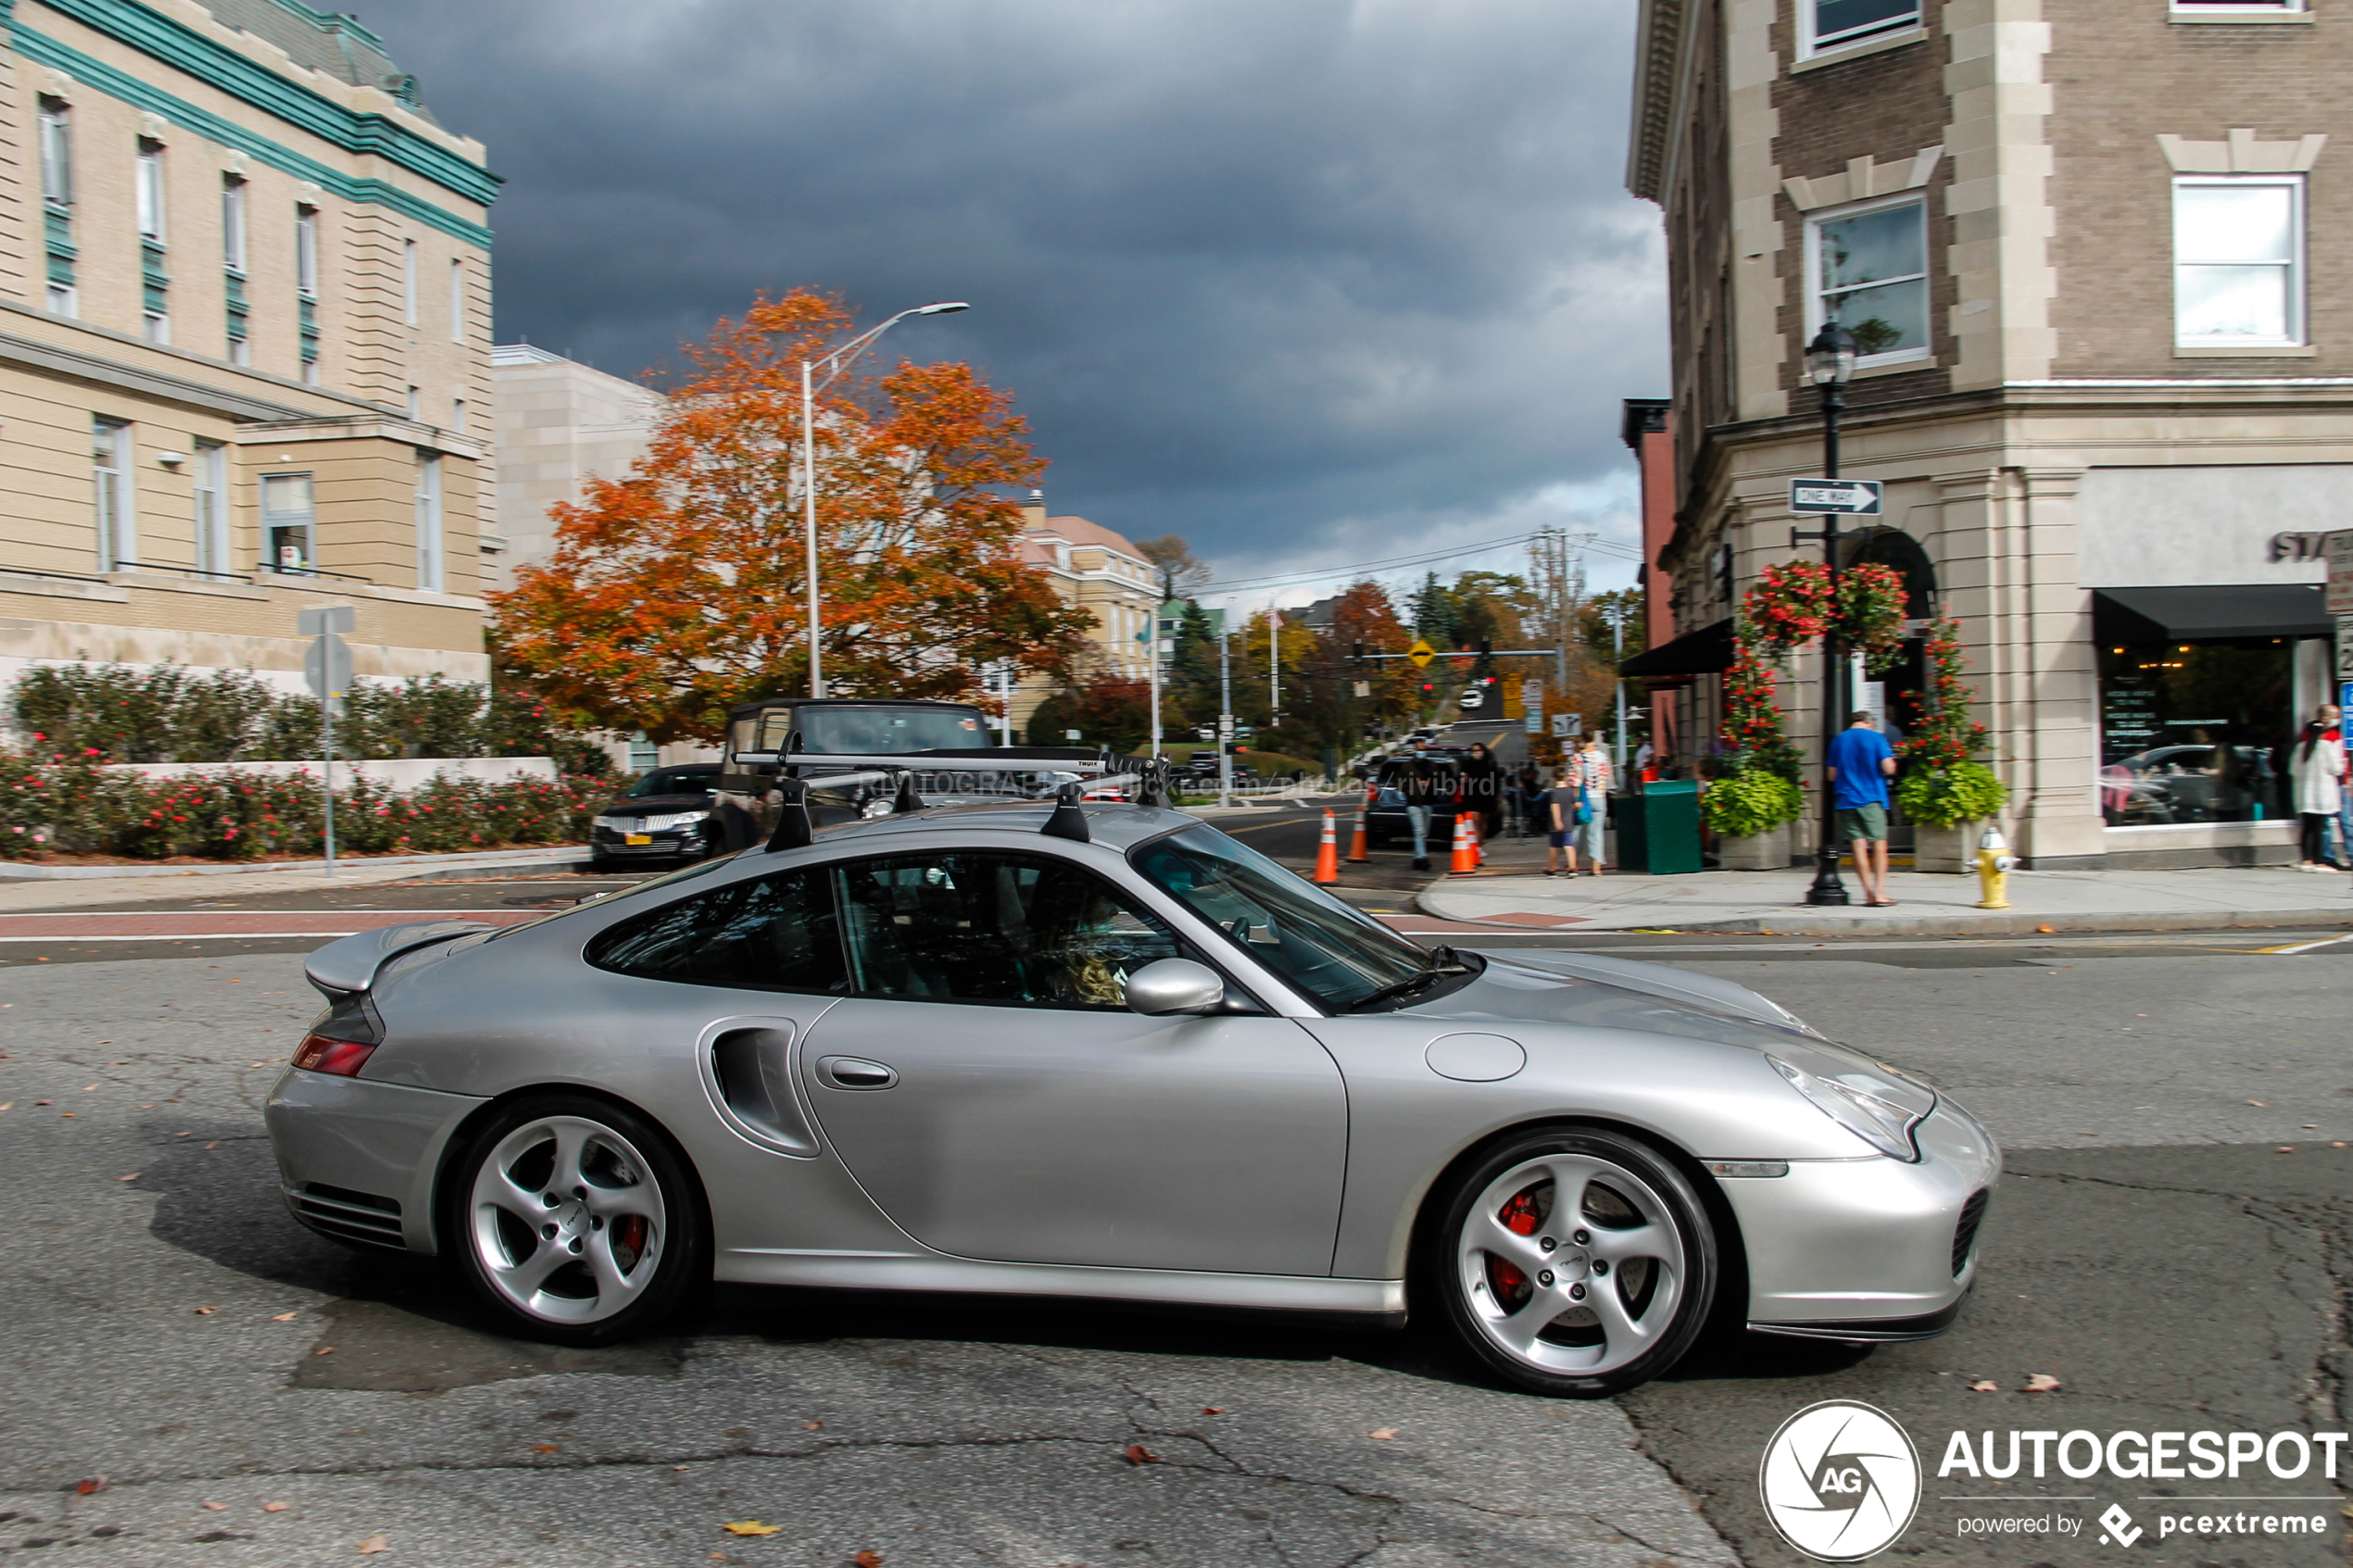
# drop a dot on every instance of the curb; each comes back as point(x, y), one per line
point(433, 867)
point(1989, 924)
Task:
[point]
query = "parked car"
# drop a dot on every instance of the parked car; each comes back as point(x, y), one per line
point(1111, 1052)
point(665, 815)
point(746, 806)
point(2200, 782)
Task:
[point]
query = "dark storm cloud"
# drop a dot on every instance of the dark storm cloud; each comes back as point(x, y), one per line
point(1306, 282)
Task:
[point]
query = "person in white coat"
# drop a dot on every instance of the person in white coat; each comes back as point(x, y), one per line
point(2316, 770)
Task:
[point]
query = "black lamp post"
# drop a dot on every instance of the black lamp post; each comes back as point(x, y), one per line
point(1830, 361)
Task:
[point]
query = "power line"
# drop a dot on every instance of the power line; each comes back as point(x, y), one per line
point(1423, 558)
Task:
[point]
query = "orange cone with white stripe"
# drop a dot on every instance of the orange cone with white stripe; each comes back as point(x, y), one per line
point(1327, 855)
point(1465, 861)
point(1359, 847)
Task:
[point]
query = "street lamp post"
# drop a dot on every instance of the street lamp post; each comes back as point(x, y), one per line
point(1830, 361)
point(1225, 715)
point(822, 371)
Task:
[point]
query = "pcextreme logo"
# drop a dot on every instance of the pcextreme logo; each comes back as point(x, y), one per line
point(1840, 1481)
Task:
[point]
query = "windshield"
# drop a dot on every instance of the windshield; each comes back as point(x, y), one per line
point(674, 781)
point(887, 732)
point(1326, 950)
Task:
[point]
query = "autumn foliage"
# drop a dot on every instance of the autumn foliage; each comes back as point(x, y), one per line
point(680, 590)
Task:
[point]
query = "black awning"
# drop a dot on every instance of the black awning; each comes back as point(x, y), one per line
point(2124, 616)
point(1704, 652)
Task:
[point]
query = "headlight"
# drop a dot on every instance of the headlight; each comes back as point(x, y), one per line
point(1884, 1125)
point(675, 819)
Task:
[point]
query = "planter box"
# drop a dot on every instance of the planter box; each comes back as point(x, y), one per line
point(1952, 851)
point(1767, 851)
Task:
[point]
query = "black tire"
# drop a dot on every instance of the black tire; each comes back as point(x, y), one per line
point(1664, 1312)
point(633, 1164)
point(600, 865)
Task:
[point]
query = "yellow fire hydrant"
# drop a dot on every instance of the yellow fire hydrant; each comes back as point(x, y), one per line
point(1994, 863)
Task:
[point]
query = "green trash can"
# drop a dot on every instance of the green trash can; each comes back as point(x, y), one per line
point(1658, 829)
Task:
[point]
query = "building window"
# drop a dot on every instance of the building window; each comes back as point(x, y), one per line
point(110, 466)
point(2188, 730)
point(150, 191)
point(428, 522)
point(213, 508)
point(413, 407)
point(409, 281)
point(458, 416)
point(156, 325)
point(2236, 7)
point(1833, 24)
point(56, 152)
point(311, 370)
point(1869, 270)
point(456, 302)
point(232, 223)
point(306, 252)
point(2238, 261)
point(287, 522)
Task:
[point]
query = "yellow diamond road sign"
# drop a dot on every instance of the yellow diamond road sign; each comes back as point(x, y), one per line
point(1421, 653)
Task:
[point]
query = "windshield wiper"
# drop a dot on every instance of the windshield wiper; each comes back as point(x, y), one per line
point(1450, 962)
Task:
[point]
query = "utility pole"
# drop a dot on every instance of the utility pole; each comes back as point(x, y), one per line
point(1152, 633)
point(327, 668)
point(1274, 667)
point(1618, 610)
point(1225, 716)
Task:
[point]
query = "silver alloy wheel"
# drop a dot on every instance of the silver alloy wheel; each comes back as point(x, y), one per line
point(1571, 1264)
point(568, 1222)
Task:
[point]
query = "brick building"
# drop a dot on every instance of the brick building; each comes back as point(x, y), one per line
point(245, 334)
point(2098, 258)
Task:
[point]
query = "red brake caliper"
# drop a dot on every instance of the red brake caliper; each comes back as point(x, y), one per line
point(1510, 1285)
point(632, 1238)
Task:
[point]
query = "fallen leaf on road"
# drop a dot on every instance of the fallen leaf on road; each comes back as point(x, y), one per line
point(207, 1311)
point(2285, 1149)
point(2041, 1383)
point(547, 1447)
point(1985, 1385)
point(2308, 1126)
point(212, 1146)
point(372, 1544)
point(67, 1114)
point(94, 1484)
point(45, 1102)
point(2048, 930)
point(2257, 1103)
point(89, 1088)
point(284, 1317)
point(1212, 1410)
point(324, 1350)
point(133, 1177)
point(1381, 1433)
point(1138, 1454)
point(750, 1527)
point(275, 1507)
point(218, 1507)
point(7, 1105)
point(866, 1559)
point(811, 1425)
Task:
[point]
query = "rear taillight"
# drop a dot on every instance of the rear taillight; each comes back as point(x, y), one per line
point(343, 1058)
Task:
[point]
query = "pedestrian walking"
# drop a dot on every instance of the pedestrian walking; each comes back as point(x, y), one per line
point(1481, 789)
point(1860, 764)
point(1555, 810)
point(1421, 784)
point(2316, 770)
point(1590, 782)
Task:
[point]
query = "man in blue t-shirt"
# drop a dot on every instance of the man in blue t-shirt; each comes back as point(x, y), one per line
point(1860, 765)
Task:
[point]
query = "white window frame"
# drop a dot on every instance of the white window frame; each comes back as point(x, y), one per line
point(64, 300)
point(56, 152)
point(409, 281)
point(111, 445)
point(2238, 8)
point(458, 299)
point(156, 326)
point(148, 184)
point(306, 519)
point(212, 493)
point(306, 252)
point(458, 416)
point(429, 523)
point(1816, 315)
point(2298, 264)
point(1809, 44)
point(233, 224)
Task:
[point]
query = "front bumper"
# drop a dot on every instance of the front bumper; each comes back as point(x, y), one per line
point(670, 843)
point(356, 1158)
point(1868, 1250)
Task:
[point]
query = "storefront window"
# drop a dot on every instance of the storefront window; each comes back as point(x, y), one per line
point(2189, 733)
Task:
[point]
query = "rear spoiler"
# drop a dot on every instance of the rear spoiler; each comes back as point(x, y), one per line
point(347, 967)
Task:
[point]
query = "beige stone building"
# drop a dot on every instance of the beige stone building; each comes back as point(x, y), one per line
point(559, 424)
point(2099, 258)
point(1100, 571)
point(245, 342)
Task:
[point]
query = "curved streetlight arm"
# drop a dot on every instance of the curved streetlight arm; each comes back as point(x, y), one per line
point(831, 365)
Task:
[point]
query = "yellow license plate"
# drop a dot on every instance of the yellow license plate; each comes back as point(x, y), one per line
point(636, 838)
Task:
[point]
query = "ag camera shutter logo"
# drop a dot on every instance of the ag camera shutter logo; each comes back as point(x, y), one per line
point(1840, 1481)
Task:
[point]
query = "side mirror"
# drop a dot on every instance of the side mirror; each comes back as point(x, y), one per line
point(1174, 986)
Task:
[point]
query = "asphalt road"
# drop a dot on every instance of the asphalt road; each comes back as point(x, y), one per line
point(2170, 1244)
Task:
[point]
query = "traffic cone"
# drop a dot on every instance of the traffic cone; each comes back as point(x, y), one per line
point(1465, 861)
point(1327, 855)
point(1359, 847)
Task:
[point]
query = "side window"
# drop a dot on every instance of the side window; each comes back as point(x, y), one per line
point(1015, 930)
point(770, 933)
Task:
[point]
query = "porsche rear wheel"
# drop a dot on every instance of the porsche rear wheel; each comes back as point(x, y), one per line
point(574, 1221)
point(1574, 1261)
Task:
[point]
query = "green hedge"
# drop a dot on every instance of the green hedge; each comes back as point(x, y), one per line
point(1749, 803)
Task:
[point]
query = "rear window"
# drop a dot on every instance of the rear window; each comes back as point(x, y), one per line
point(875, 731)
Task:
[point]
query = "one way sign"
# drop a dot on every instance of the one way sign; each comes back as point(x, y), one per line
point(1858, 497)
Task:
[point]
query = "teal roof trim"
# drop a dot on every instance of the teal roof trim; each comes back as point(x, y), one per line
point(44, 50)
point(219, 66)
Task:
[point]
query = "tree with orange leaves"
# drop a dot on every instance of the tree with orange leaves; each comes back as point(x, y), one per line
point(681, 590)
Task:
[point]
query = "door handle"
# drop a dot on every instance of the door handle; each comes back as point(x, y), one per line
point(855, 1072)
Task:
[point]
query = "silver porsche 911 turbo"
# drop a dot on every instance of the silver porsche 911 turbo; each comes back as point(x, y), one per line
point(1105, 1051)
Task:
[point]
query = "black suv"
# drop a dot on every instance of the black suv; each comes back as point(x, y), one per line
point(665, 815)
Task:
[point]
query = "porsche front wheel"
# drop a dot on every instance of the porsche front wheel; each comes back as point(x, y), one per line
point(1574, 1261)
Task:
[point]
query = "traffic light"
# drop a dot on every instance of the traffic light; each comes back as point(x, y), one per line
point(1356, 656)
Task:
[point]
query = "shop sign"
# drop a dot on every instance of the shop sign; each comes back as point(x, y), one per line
point(2338, 549)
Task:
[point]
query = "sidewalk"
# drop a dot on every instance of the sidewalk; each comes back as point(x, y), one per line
point(1926, 905)
point(124, 884)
